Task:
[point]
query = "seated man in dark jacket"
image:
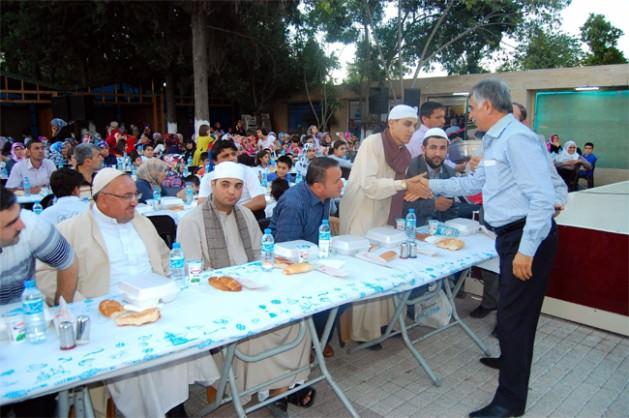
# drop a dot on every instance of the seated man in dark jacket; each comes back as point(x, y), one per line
point(434, 152)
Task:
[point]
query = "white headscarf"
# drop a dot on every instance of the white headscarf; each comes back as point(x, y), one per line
point(564, 156)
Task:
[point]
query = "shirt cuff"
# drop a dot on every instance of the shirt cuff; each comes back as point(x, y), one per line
point(435, 186)
point(528, 247)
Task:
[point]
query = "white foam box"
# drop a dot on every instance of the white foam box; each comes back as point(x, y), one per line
point(292, 249)
point(386, 236)
point(148, 289)
point(464, 226)
point(349, 244)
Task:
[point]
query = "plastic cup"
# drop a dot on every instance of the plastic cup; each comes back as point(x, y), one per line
point(195, 267)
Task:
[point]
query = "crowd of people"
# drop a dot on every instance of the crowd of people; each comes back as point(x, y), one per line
point(99, 238)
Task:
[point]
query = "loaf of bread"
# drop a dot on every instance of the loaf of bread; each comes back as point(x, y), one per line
point(225, 283)
point(138, 318)
point(298, 268)
point(421, 237)
point(109, 307)
point(452, 244)
point(281, 262)
point(388, 255)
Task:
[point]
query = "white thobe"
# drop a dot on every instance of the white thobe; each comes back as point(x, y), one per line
point(153, 392)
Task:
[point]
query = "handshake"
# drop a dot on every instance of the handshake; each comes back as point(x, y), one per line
point(417, 188)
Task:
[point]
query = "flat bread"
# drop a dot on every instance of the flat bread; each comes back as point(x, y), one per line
point(298, 268)
point(138, 318)
point(452, 244)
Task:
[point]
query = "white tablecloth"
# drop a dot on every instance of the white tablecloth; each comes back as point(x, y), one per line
point(201, 318)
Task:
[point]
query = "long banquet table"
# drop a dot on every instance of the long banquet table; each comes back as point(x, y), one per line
point(202, 318)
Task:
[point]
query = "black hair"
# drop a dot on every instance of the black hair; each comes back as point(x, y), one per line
point(192, 179)
point(33, 141)
point(64, 181)
point(317, 168)
point(428, 108)
point(7, 198)
point(286, 160)
point(204, 156)
point(221, 145)
point(278, 187)
point(260, 155)
point(247, 160)
point(590, 144)
point(338, 144)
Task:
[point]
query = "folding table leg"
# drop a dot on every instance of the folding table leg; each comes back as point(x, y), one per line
point(316, 344)
point(63, 403)
point(458, 319)
point(409, 344)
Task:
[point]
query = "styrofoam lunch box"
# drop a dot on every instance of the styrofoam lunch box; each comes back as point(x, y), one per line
point(386, 236)
point(349, 244)
point(148, 290)
point(292, 250)
point(464, 226)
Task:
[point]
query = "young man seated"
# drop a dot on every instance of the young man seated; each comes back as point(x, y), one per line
point(222, 233)
point(590, 157)
point(66, 185)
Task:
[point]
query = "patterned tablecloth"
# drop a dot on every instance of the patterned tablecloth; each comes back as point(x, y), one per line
point(202, 317)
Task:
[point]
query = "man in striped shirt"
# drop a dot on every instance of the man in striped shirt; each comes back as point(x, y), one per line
point(25, 237)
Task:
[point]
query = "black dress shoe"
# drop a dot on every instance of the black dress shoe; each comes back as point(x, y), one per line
point(493, 362)
point(494, 411)
point(177, 412)
point(481, 312)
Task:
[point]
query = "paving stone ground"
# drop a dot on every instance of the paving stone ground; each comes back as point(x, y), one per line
point(578, 371)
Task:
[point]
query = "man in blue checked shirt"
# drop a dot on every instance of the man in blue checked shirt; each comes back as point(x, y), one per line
point(519, 199)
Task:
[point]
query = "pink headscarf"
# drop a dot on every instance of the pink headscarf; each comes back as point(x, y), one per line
point(13, 147)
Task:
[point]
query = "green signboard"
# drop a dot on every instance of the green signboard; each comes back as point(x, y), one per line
point(600, 117)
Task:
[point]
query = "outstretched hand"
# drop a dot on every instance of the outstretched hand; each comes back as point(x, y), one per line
point(417, 188)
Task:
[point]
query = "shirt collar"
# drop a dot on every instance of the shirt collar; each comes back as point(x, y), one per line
point(313, 200)
point(68, 199)
point(496, 130)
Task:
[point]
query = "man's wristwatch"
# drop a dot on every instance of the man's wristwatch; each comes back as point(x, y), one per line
point(403, 185)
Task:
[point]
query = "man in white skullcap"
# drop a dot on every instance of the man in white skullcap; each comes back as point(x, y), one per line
point(113, 242)
point(374, 196)
point(222, 234)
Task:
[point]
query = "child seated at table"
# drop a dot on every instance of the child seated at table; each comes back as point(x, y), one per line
point(282, 171)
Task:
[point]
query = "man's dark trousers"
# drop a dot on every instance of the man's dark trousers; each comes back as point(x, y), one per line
point(519, 308)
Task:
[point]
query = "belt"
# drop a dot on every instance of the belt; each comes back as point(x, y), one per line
point(510, 227)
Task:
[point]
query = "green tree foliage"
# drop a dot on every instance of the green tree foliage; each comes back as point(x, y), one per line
point(602, 38)
point(546, 50)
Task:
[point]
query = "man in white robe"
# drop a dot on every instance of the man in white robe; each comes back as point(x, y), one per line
point(373, 197)
point(222, 234)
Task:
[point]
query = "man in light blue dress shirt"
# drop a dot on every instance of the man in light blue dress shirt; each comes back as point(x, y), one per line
point(519, 200)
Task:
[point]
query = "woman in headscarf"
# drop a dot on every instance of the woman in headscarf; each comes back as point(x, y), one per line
point(60, 153)
point(60, 130)
point(204, 141)
point(18, 153)
point(569, 158)
point(150, 176)
point(555, 144)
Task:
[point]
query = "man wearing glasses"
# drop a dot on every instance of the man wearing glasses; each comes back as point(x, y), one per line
point(112, 243)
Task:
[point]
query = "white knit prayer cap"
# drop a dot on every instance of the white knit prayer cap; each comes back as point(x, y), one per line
point(403, 112)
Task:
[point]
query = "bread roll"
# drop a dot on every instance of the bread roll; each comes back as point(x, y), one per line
point(281, 262)
point(109, 307)
point(452, 244)
point(421, 237)
point(298, 268)
point(138, 318)
point(225, 283)
point(388, 255)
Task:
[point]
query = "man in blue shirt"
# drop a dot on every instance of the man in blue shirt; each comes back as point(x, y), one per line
point(588, 154)
point(519, 198)
point(301, 209)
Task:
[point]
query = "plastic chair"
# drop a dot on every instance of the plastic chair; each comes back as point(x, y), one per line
point(166, 228)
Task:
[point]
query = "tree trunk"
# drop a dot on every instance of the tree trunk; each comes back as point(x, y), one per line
point(171, 107)
point(200, 67)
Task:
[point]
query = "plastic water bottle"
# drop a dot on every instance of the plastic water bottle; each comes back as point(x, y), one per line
point(410, 224)
point(37, 208)
point(298, 177)
point(33, 309)
point(264, 181)
point(268, 245)
point(177, 264)
point(27, 186)
point(189, 161)
point(134, 175)
point(157, 198)
point(189, 194)
point(324, 239)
